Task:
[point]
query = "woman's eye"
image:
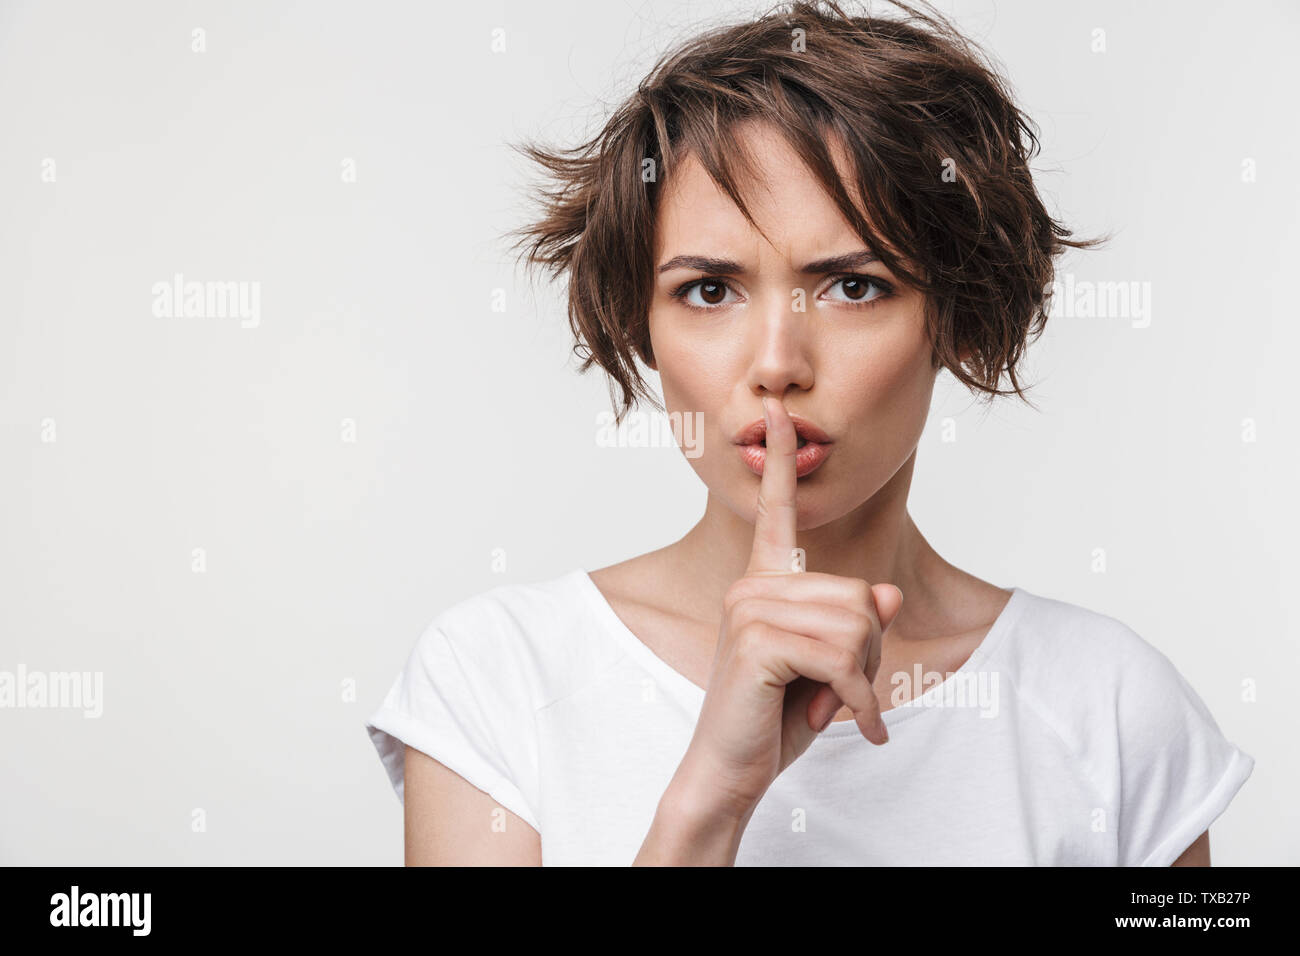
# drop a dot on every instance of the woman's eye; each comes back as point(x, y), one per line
point(859, 289)
point(706, 294)
point(713, 293)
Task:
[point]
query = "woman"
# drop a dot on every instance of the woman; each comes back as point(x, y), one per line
point(797, 222)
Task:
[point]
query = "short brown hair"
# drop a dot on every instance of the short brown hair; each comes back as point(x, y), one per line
point(911, 98)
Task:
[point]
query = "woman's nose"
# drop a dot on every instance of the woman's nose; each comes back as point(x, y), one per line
point(780, 354)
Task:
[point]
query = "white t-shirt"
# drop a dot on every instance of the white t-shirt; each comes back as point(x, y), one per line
point(1065, 739)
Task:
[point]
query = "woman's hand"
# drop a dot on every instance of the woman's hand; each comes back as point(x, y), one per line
point(791, 647)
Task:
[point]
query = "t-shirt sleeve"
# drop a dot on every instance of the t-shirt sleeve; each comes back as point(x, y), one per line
point(1178, 772)
point(469, 713)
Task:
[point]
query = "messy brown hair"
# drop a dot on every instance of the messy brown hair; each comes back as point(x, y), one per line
point(938, 151)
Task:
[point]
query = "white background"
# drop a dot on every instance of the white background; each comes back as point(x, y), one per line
point(224, 690)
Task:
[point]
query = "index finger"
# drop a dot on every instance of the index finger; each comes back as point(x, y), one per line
point(776, 519)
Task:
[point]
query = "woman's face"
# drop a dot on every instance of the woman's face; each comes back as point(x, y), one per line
point(845, 346)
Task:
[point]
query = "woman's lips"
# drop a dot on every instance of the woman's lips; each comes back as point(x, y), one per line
point(806, 460)
point(756, 431)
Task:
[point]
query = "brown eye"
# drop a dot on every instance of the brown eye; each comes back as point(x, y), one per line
point(708, 294)
point(713, 292)
point(859, 290)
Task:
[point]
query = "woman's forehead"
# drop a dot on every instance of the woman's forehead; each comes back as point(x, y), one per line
point(788, 202)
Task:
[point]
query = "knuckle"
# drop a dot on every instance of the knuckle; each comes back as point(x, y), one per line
point(851, 621)
point(845, 663)
point(863, 626)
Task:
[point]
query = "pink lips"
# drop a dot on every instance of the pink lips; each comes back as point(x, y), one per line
point(806, 460)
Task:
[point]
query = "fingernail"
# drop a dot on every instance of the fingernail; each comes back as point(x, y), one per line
point(826, 723)
point(767, 416)
point(884, 731)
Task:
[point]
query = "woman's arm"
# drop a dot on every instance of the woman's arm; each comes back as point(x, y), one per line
point(1198, 854)
point(450, 822)
point(689, 828)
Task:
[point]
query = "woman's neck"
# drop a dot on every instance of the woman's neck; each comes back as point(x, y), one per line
point(877, 542)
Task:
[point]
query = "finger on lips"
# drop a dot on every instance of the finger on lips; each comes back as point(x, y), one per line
point(846, 611)
point(776, 520)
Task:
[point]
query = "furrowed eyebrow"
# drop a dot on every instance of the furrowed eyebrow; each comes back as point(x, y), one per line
point(844, 263)
point(703, 264)
point(841, 263)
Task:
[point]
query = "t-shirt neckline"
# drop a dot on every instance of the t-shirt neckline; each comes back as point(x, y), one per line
point(691, 692)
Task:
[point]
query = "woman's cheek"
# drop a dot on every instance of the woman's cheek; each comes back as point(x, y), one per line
point(694, 390)
point(693, 378)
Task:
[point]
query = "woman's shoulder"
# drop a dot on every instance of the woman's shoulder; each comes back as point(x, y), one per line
point(548, 633)
point(1090, 673)
point(1060, 640)
point(1135, 725)
point(530, 608)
